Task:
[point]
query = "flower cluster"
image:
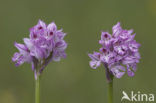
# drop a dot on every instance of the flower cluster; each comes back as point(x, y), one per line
point(45, 44)
point(119, 52)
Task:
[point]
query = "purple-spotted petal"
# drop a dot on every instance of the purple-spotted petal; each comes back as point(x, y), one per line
point(118, 71)
point(116, 30)
point(41, 25)
point(20, 61)
point(52, 27)
point(130, 72)
point(16, 56)
point(94, 64)
point(95, 56)
point(133, 46)
point(105, 39)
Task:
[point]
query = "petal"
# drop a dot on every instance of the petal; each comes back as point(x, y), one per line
point(129, 60)
point(136, 55)
point(57, 55)
point(38, 30)
point(107, 57)
point(118, 71)
point(60, 34)
point(124, 35)
point(130, 72)
point(105, 39)
point(105, 36)
point(94, 64)
point(130, 31)
point(28, 43)
point(20, 61)
point(56, 58)
point(103, 50)
point(27, 58)
point(37, 52)
point(21, 47)
point(119, 50)
point(41, 24)
point(61, 45)
point(116, 30)
point(95, 56)
point(52, 27)
point(16, 56)
point(33, 34)
point(133, 46)
point(134, 67)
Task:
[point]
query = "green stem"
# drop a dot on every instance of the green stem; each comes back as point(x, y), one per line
point(110, 92)
point(37, 90)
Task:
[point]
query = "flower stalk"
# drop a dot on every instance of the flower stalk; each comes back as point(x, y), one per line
point(110, 92)
point(37, 89)
point(109, 77)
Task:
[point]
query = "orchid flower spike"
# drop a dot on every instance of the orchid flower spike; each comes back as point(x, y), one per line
point(45, 44)
point(119, 53)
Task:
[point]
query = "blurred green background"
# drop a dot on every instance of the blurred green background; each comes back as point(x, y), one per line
point(72, 80)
